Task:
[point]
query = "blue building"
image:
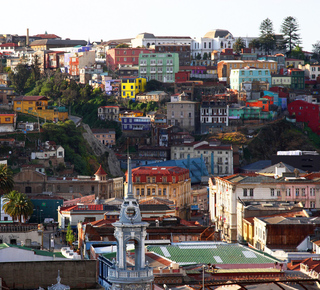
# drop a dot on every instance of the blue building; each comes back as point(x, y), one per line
point(135, 124)
point(239, 76)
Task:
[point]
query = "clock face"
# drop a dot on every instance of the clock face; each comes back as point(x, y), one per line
point(131, 212)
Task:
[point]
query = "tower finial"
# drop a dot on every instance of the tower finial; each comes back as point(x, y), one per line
point(130, 193)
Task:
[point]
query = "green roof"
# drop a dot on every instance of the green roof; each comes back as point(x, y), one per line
point(37, 252)
point(110, 256)
point(213, 253)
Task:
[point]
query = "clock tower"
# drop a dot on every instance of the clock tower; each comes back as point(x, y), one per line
point(130, 229)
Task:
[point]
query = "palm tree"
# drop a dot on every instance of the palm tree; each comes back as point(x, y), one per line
point(6, 179)
point(17, 205)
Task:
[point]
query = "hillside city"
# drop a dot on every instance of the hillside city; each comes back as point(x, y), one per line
point(160, 162)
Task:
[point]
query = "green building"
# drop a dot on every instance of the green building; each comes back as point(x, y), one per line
point(297, 79)
point(159, 66)
point(45, 208)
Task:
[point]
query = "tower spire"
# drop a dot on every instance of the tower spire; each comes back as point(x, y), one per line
point(130, 193)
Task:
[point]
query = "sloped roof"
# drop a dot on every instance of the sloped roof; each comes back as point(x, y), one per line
point(100, 171)
point(31, 98)
point(217, 33)
point(196, 166)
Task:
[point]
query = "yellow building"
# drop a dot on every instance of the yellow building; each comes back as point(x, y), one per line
point(38, 106)
point(130, 87)
point(166, 182)
point(8, 122)
point(224, 67)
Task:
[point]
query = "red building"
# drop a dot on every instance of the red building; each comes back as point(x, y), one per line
point(262, 103)
point(182, 76)
point(54, 60)
point(305, 112)
point(117, 57)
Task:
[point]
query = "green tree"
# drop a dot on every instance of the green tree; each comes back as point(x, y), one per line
point(267, 38)
point(20, 77)
point(17, 205)
point(289, 29)
point(254, 44)
point(70, 238)
point(198, 57)
point(205, 56)
point(6, 179)
point(298, 53)
point(238, 45)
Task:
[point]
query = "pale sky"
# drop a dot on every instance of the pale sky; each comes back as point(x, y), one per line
point(106, 19)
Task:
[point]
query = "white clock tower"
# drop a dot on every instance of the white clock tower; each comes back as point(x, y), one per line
point(130, 229)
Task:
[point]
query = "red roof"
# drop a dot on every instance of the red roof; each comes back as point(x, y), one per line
point(47, 36)
point(100, 171)
point(8, 44)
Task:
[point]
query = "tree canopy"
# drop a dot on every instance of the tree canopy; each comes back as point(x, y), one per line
point(70, 238)
point(238, 45)
point(17, 205)
point(289, 29)
point(267, 38)
point(6, 179)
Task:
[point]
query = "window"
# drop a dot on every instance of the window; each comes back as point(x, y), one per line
point(164, 191)
point(137, 191)
point(148, 191)
point(312, 204)
point(245, 192)
point(153, 191)
point(303, 191)
point(251, 191)
point(164, 179)
point(312, 191)
point(297, 191)
point(288, 192)
point(142, 191)
point(272, 191)
point(278, 192)
point(153, 180)
point(159, 191)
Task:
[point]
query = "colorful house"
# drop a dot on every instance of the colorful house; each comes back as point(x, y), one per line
point(8, 122)
point(238, 76)
point(297, 78)
point(130, 87)
point(305, 112)
point(262, 103)
point(136, 124)
point(38, 106)
point(159, 66)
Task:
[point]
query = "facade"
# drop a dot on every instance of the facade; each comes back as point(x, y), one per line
point(297, 79)
point(51, 153)
point(313, 71)
point(165, 182)
point(148, 39)
point(238, 76)
point(108, 113)
point(124, 57)
point(80, 60)
point(38, 106)
point(136, 124)
point(281, 80)
point(130, 87)
point(184, 114)
point(214, 113)
point(253, 187)
point(183, 51)
point(293, 63)
point(218, 158)
point(224, 67)
point(105, 136)
point(153, 96)
point(305, 112)
point(159, 66)
point(8, 122)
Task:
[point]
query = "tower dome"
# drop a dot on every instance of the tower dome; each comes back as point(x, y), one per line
point(217, 33)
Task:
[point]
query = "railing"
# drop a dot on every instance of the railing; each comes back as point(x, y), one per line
point(132, 274)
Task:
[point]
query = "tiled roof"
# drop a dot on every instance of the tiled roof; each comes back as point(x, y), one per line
point(211, 253)
point(100, 171)
point(30, 98)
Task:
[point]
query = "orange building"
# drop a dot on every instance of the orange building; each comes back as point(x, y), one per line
point(263, 103)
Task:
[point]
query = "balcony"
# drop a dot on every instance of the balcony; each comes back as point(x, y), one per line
point(121, 275)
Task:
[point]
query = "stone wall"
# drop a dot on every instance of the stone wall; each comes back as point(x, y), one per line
point(32, 275)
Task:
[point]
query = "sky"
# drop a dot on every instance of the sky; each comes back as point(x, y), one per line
point(98, 20)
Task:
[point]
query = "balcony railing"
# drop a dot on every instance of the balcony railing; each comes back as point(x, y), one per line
point(121, 274)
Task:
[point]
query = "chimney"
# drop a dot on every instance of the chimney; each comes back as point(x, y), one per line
point(27, 38)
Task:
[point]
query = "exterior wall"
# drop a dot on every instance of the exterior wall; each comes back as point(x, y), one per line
point(160, 66)
point(281, 80)
point(238, 76)
point(76, 274)
point(293, 62)
point(108, 113)
point(24, 234)
point(107, 138)
point(227, 194)
point(132, 86)
point(213, 115)
point(152, 97)
point(184, 114)
point(224, 67)
point(218, 159)
point(119, 57)
point(136, 124)
point(305, 112)
point(262, 103)
point(314, 71)
point(182, 50)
